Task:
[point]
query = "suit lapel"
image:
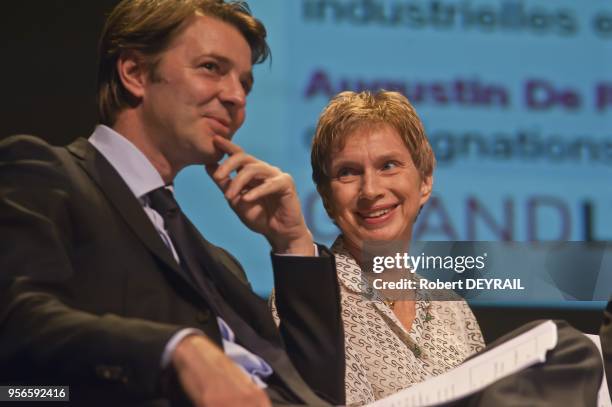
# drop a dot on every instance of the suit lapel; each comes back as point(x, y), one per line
point(123, 200)
point(235, 291)
point(253, 310)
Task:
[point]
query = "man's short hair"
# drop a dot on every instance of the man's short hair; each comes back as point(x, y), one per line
point(348, 111)
point(149, 26)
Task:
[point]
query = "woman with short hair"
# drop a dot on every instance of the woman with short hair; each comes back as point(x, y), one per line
point(373, 167)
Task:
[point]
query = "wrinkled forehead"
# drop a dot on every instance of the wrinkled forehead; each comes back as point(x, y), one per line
point(357, 128)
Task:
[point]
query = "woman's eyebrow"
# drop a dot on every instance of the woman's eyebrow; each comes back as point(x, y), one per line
point(343, 162)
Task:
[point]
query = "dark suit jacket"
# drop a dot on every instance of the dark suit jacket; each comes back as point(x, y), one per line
point(90, 295)
point(605, 335)
point(571, 375)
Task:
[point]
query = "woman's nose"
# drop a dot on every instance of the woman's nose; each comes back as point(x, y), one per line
point(371, 187)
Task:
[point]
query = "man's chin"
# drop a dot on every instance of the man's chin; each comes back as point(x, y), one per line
point(206, 151)
point(218, 156)
point(212, 158)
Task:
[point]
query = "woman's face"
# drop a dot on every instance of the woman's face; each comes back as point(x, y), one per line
point(375, 189)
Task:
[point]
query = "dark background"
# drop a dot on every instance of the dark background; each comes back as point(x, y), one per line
point(48, 73)
point(49, 66)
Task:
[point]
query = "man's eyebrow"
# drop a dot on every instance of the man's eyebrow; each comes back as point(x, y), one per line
point(247, 77)
point(218, 57)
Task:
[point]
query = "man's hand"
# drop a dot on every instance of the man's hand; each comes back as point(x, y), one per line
point(264, 198)
point(210, 378)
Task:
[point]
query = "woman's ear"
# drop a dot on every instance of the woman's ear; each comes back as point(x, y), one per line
point(133, 71)
point(426, 188)
point(324, 194)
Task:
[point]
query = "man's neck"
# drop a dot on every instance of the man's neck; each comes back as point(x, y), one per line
point(138, 135)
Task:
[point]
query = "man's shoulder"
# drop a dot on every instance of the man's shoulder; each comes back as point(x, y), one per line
point(27, 161)
point(24, 147)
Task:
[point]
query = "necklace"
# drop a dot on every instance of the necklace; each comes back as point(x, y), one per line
point(389, 303)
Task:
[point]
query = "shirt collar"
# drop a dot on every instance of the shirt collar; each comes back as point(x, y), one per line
point(351, 275)
point(131, 164)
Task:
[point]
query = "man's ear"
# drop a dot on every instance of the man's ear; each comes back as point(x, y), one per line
point(133, 73)
point(426, 188)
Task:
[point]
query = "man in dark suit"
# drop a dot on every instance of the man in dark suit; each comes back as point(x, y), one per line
point(605, 335)
point(106, 285)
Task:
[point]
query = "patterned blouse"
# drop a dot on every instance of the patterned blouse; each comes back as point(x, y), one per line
point(382, 357)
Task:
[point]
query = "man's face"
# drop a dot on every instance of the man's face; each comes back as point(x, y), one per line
point(198, 89)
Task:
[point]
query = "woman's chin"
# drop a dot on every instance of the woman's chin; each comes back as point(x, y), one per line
point(384, 236)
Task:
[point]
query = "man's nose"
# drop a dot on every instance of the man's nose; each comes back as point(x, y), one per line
point(233, 94)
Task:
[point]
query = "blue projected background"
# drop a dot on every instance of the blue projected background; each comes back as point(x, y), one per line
point(515, 97)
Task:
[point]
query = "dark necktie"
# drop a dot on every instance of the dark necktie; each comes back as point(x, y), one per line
point(183, 238)
point(164, 203)
point(185, 243)
point(182, 235)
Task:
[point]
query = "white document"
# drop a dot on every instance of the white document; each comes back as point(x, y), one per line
point(477, 373)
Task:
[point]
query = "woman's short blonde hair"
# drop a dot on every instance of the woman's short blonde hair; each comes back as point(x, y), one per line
point(349, 111)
